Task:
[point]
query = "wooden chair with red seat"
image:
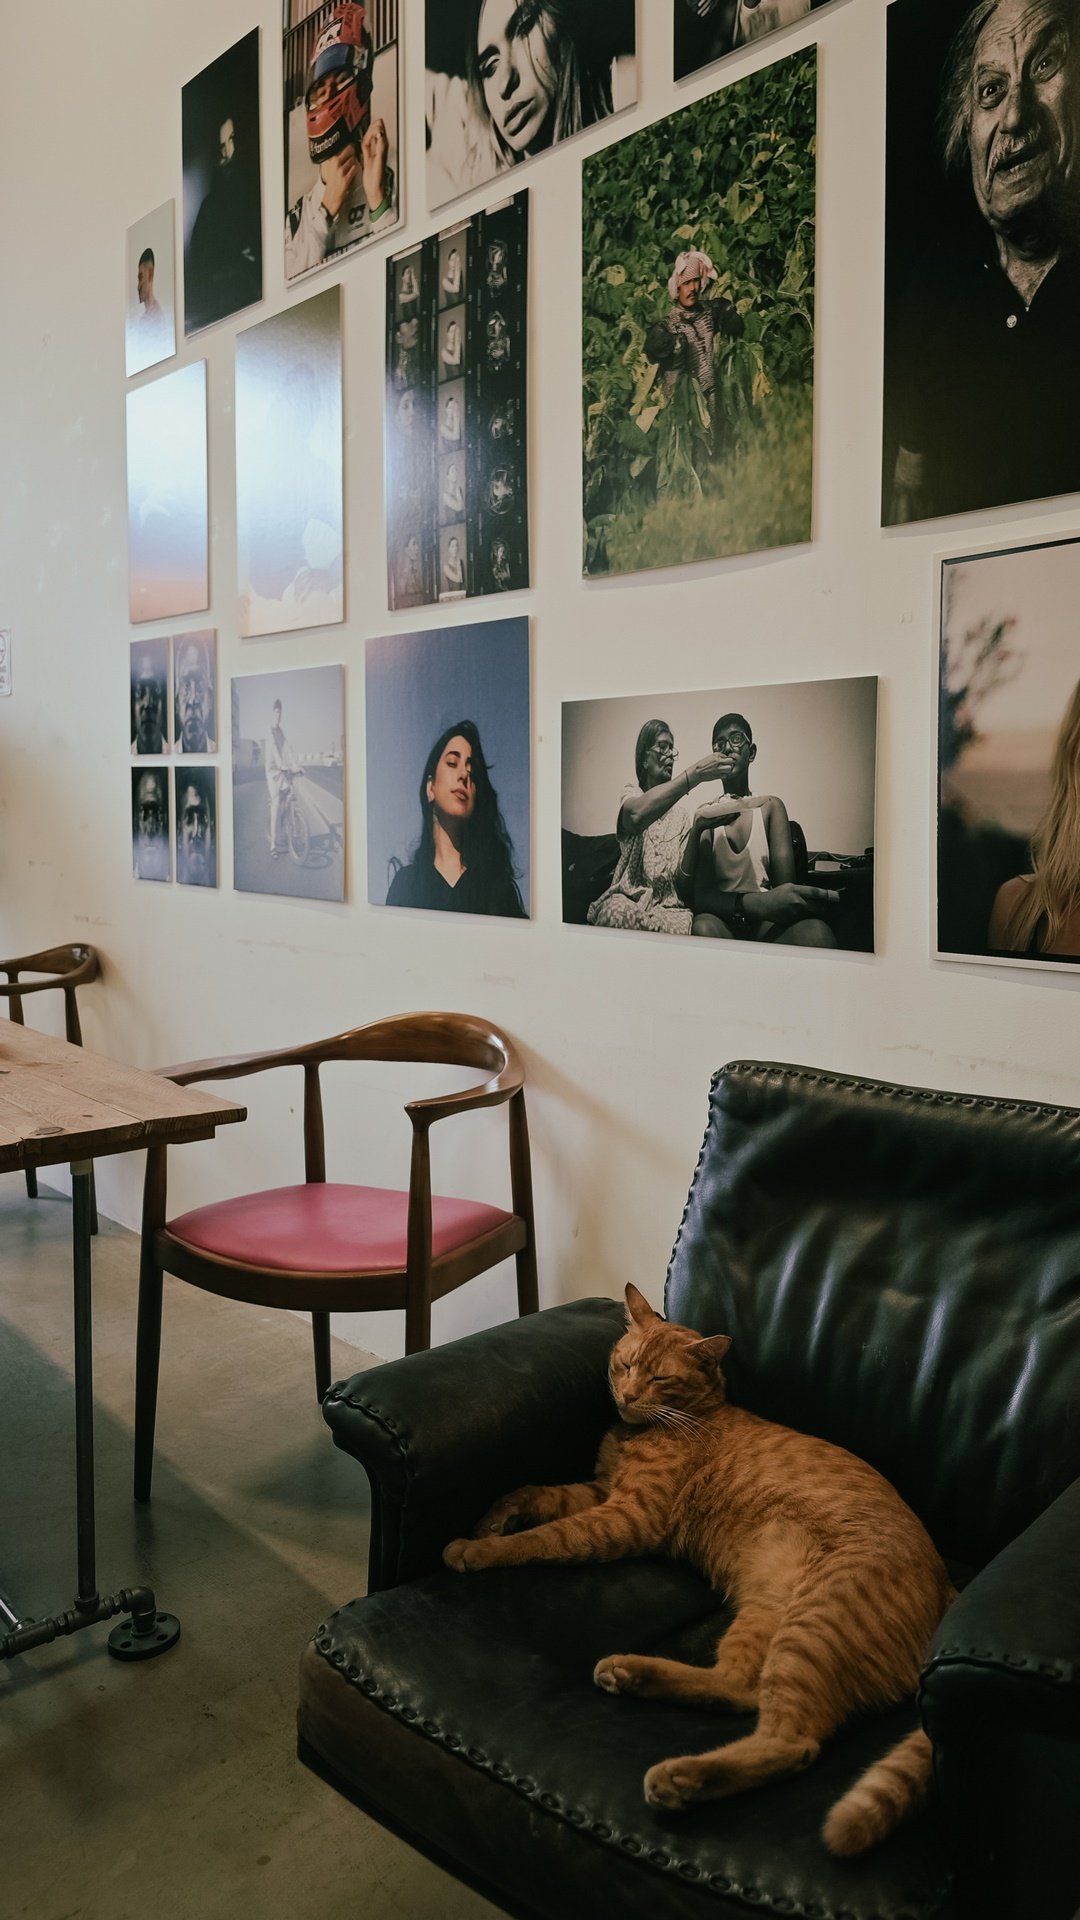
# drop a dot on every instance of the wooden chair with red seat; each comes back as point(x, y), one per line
point(326, 1248)
point(65, 969)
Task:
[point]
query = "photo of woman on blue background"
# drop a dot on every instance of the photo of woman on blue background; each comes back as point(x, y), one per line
point(448, 756)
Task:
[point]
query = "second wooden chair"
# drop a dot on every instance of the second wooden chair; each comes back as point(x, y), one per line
point(64, 968)
point(324, 1247)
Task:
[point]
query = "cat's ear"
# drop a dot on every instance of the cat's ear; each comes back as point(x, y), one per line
point(714, 1349)
point(638, 1311)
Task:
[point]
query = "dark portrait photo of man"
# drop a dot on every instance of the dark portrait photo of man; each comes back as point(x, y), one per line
point(195, 799)
point(982, 378)
point(149, 697)
point(194, 721)
point(222, 187)
point(150, 823)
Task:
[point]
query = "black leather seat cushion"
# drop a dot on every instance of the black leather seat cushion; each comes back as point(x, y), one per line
point(495, 1669)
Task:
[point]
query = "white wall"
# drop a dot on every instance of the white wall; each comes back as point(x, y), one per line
point(620, 1033)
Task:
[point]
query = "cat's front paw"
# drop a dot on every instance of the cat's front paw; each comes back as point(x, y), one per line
point(673, 1784)
point(508, 1515)
point(468, 1556)
point(615, 1674)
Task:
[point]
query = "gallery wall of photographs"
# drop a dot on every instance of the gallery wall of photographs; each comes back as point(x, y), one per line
point(689, 811)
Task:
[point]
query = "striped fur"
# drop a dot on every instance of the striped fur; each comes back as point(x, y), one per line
point(837, 1586)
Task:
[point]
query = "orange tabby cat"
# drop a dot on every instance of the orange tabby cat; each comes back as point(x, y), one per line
point(837, 1585)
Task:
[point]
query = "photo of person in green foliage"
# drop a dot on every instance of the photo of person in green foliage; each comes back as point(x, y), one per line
point(698, 340)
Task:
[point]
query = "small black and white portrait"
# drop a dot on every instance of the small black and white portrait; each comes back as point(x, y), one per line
point(497, 343)
point(453, 267)
point(408, 286)
point(452, 415)
point(452, 344)
point(407, 352)
point(705, 30)
point(150, 334)
point(500, 490)
point(150, 823)
point(982, 379)
point(501, 570)
point(195, 704)
point(195, 813)
point(453, 578)
point(496, 267)
point(149, 716)
point(505, 82)
point(405, 413)
point(451, 488)
point(501, 423)
point(408, 581)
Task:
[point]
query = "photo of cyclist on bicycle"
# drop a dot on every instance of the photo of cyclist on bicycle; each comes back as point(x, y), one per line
point(282, 767)
point(288, 779)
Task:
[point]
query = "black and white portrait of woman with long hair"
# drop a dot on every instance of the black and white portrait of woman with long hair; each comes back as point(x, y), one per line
point(507, 79)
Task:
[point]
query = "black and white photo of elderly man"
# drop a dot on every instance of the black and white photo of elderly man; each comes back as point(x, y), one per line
point(982, 376)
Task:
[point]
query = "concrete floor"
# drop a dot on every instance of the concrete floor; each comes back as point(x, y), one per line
point(171, 1788)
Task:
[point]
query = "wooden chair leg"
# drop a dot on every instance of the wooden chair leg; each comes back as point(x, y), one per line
point(320, 1334)
point(147, 1356)
point(528, 1289)
point(528, 1292)
point(31, 1183)
point(418, 1319)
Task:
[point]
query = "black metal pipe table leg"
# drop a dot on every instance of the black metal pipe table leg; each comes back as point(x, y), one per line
point(147, 1632)
point(86, 1593)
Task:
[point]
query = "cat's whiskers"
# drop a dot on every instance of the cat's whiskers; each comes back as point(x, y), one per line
point(677, 1419)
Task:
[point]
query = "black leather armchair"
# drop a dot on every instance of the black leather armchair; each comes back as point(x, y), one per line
point(900, 1272)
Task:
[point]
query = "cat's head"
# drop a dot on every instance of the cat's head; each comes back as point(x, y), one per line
point(660, 1372)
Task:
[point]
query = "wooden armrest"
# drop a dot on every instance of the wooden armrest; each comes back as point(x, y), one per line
point(21, 987)
point(235, 1066)
point(70, 966)
point(424, 1113)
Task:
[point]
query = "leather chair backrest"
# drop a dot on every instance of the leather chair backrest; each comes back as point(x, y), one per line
point(900, 1273)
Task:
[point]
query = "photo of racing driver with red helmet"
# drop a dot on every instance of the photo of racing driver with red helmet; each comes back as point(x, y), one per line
point(341, 112)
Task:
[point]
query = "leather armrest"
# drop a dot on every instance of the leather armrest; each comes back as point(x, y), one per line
point(441, 1434)
point(1010, 1644)
point(1000, 1698)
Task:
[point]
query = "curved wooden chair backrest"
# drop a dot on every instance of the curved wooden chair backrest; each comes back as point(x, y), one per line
point(65, 969)
point(442, 1039)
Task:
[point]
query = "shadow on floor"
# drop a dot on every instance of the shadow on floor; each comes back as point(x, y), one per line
point(171, 1787)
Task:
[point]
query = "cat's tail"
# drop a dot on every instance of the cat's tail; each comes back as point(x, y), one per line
point(889, 1790)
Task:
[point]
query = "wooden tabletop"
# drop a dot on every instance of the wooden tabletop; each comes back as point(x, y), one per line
point(59, 1102)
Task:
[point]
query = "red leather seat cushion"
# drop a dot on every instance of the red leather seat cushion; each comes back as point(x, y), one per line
point(327, 1228)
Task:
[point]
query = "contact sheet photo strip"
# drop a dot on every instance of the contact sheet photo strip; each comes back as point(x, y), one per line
point(456, 432)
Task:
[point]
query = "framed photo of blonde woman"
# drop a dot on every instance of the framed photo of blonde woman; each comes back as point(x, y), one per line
point(507, 80)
